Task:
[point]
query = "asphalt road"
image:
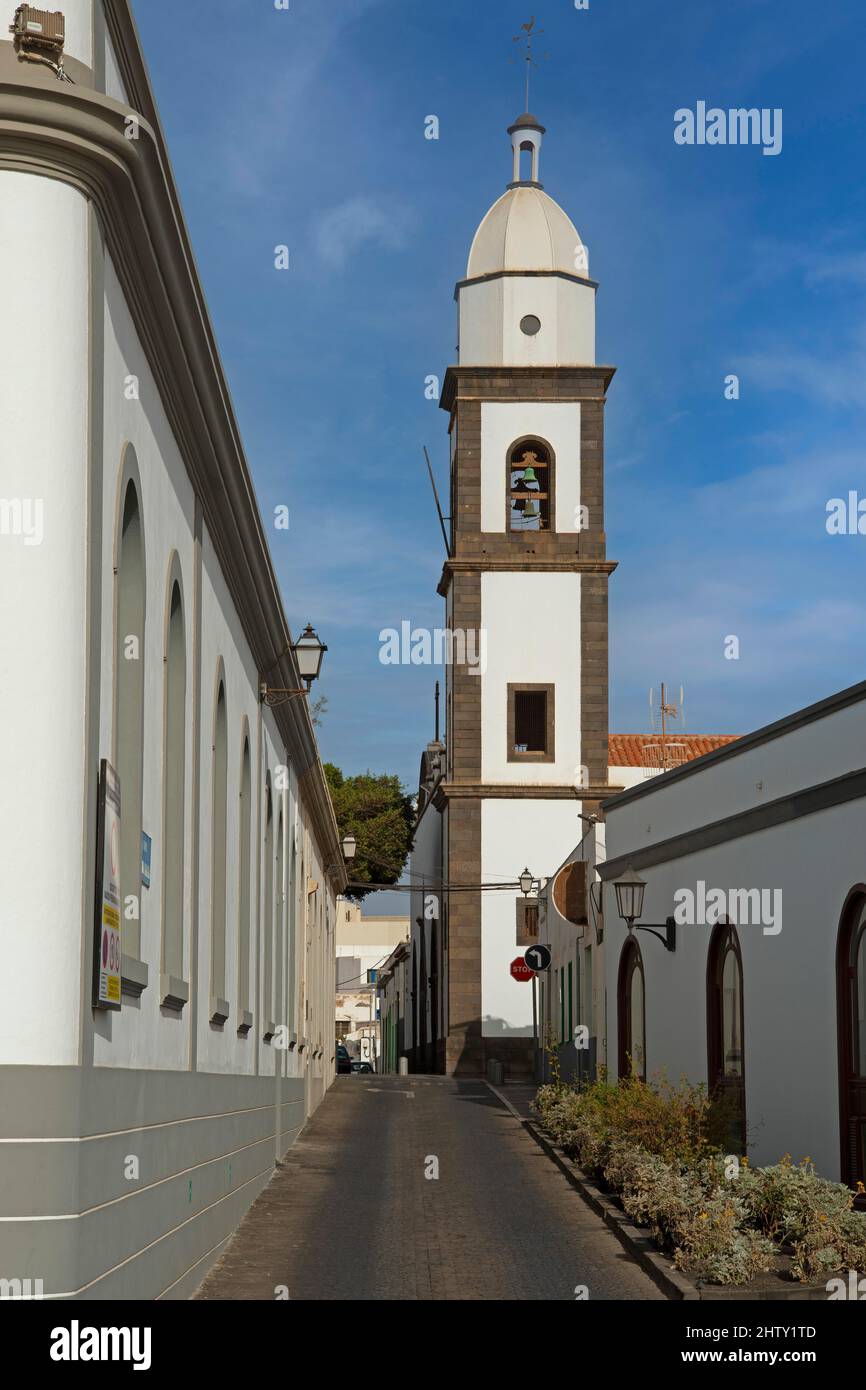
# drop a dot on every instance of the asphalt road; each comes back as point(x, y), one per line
point(352, 1213)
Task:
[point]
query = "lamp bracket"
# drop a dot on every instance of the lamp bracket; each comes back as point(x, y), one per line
point(666, 934)
point(272, 695)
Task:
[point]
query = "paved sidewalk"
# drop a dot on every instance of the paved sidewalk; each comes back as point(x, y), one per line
point(352, 1215)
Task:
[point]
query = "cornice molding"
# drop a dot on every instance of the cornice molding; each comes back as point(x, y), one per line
point(524, 274)
point(456, 376)
point(77, 135)
point(517, 791)
point(483, 565)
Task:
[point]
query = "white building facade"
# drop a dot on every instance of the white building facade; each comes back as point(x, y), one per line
point(757, 851)
point(140, 614)
point(364, 944)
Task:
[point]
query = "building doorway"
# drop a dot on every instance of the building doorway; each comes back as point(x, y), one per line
point(851, 1015)
point(725, 1052)
point(631, 1012)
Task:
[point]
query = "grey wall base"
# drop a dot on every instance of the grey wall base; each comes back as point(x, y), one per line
point(204, 1147)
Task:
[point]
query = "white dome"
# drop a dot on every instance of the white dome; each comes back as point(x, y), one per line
point(526, 230)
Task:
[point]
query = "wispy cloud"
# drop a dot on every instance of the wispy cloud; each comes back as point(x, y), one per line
point(838, 378)
point(342, 231)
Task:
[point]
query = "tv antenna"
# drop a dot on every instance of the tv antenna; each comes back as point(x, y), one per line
point(665, 752)
point(529, 32)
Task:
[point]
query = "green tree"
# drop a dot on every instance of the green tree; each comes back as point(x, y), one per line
point(377, 811)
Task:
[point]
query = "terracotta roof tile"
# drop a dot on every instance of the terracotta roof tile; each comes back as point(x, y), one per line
point(627, 750)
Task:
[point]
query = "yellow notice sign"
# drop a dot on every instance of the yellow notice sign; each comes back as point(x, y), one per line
point(107, 948)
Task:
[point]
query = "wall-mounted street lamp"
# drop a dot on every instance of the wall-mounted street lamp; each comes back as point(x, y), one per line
point(630, 891)
point(309, 651)
point(526, 881)
point(349, 847)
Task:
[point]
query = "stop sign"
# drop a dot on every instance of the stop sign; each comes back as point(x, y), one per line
point(520, 970)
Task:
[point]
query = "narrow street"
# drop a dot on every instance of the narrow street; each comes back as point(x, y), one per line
point(351, 1215)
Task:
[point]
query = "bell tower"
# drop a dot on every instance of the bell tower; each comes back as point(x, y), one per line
point(527, 724)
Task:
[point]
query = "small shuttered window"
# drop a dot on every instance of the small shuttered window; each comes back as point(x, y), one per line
point(531, 722)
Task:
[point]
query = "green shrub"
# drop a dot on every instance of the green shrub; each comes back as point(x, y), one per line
point(788, 1200)
point(663, 1119)
point(715, 1242)
point(651, 1143)
point(705, 1232)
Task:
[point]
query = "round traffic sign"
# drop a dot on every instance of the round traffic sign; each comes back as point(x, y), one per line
point(537, 958)
point(520, 970)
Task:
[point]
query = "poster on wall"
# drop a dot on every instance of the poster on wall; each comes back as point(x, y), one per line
point(106, 945)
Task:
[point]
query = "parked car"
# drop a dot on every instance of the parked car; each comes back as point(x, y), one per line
point(344, 1061)
point(361, 1066)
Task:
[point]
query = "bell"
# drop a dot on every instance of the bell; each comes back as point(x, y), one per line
point(529, 475)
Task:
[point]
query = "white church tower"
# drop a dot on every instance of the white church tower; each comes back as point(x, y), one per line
point(526, 729)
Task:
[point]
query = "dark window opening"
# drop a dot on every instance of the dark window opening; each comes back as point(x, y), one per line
point(530, 721)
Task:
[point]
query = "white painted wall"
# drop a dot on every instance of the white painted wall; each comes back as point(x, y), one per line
point(138, 1036)
point(143, 1034)
point(43, 406)
point(514, 835)
point(555, 422)
point(490, 312)
point(79, 29)
point(220, 1049)
point(789, 985)
point(627, 777)
point(114, 85)
point(533, 635)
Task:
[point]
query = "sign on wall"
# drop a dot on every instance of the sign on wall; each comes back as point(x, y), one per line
point(146, 857)
point(569, 893)
point(106, 945)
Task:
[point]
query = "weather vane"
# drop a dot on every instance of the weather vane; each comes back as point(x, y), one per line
point(529, 33)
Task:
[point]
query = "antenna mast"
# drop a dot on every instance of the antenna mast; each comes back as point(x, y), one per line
point(665, 753)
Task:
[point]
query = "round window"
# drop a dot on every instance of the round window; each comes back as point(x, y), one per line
point(530, 325)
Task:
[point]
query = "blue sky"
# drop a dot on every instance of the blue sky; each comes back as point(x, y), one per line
point(306, 128)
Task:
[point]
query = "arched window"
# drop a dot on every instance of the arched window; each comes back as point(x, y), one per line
point(631, 1012)
point(129, 707)
point(219, 1005)
point(174, 778)
point(244, 882)
point(851, 1015)
point(292, 935)
point(530, 486)
point(279, 905)
point(268, 919)
point(725, 1052)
